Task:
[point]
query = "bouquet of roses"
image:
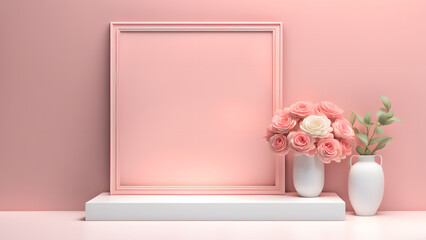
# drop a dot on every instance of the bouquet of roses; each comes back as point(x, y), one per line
point(311, 129)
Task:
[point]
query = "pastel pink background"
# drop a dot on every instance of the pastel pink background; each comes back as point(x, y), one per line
point(54, 92)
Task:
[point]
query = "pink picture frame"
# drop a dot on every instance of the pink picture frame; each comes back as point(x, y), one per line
point(189, 106)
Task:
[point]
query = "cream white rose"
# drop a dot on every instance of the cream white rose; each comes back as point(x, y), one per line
point(317, 126)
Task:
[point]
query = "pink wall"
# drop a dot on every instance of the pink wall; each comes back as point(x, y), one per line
point(54, 94)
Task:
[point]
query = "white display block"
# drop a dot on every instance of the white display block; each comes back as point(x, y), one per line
point(328, 206)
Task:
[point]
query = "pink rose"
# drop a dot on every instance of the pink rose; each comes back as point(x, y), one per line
point(330, 136)
point(269, 133)
point(302, 143)
point(346, 147)
point(283, 122)
point(302, 109)
point(279, 143)
point(329, 150)
point(343, 129)
point(329, 109)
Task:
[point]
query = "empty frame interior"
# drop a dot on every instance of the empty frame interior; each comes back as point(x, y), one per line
point(189, 108)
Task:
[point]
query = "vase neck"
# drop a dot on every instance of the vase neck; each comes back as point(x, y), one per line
point(366, 158)
point(304, 157)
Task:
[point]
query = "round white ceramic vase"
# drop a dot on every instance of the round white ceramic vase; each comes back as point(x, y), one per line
point(308, 175)
point(366, 184)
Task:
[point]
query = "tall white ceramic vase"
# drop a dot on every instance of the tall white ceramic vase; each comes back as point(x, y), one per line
point(366, 185)
point(308, 175)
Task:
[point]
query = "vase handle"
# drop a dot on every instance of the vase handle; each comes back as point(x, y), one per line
point(350, 160)
point(381, 159)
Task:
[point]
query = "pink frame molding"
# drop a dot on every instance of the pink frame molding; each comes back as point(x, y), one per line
point(117, 28)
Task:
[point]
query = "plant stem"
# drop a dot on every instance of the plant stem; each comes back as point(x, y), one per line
point(368, 133)
point(368, 130)
point(372, 135)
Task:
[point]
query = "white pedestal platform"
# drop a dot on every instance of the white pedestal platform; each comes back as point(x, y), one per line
point(328, 206)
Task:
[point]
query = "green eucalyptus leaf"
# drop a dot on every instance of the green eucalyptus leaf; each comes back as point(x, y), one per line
point(383, 118)
point(379, 130)
point(386, 102)
point(380, 112)
point(360, 150)
point(390, 114)
point(389, 121)
point(368, 152)
point(361, 120)
point(379, 146)
point(352, 118)
point(363, 137)
point(396, 119)
point(381, 139)
point(356, 131)
point(367, 117)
